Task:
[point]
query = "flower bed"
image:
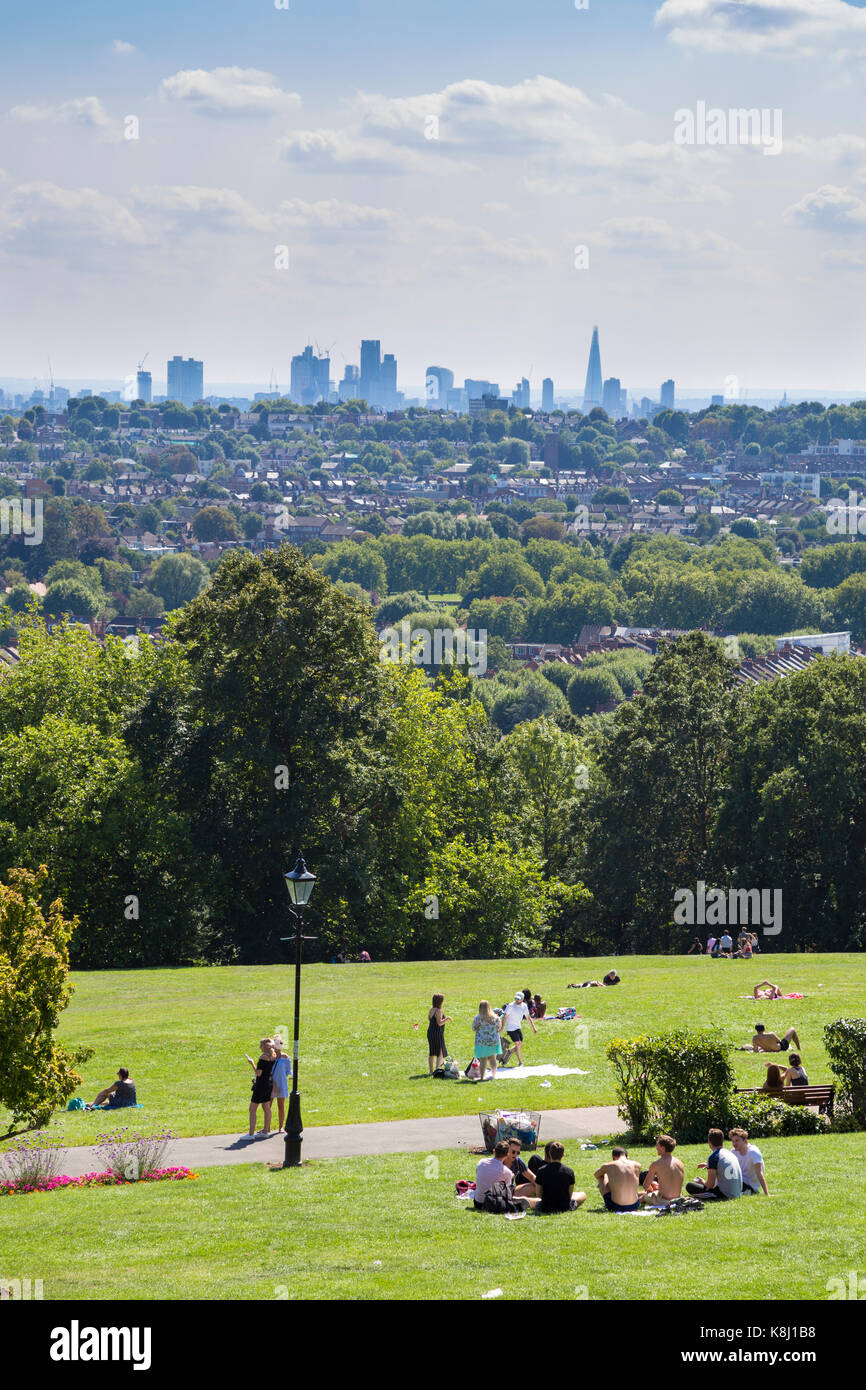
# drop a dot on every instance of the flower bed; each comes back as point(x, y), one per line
point(108, 1179)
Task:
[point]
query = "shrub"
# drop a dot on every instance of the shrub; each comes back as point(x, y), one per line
point(31, 1161)
point(680, 1081)
point(134, 1156)
point(845, 1041)
point(763, 1117)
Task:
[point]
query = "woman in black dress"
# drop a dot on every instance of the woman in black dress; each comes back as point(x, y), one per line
point(262, 1086)
point(436, 1020)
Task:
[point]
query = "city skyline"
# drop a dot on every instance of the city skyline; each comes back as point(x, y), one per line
point(490, 187)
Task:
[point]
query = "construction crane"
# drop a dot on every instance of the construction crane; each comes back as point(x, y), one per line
point(142, 362)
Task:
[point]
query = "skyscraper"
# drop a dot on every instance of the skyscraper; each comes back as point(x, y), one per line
point(388, 382)
point(185, 380)
point(611, 396)
point(520, 394)
point(144, 387)
point(310, 378)
point(668, 395)
point(592, 391)
point(371, 366)
point(350, 386)
point(547, 394)
point(439, 381)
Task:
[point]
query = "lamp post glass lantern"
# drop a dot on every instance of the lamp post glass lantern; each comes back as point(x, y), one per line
point(300, 883)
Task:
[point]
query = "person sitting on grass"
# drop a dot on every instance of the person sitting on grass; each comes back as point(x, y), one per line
point(611, 978)
point(696, 946)
point(492, 1170)
point(724, 1180)
point(751, 1162)
point(726, 943)
point(762, 1041)
point(766, 990)
point(513, 1017)
point(538, 1007)
point(618, 1182)
point(119, 1094)
point(795, 1075)
point(663, 1180)
point(554, 1182)
point(524, 1177)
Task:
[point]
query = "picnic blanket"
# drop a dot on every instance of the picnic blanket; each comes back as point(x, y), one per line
point(764, 1000)
point(549, 1069)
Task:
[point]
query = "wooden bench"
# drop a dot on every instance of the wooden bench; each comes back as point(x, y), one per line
point(820, 1096)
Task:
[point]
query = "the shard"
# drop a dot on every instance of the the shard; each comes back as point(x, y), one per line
point(592, 391)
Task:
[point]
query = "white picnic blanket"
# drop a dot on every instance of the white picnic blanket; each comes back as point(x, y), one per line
point(550, 1069)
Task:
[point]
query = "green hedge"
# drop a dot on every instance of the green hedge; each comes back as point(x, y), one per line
point(680, 1081)
point(763, 1117)
point(845, 1041)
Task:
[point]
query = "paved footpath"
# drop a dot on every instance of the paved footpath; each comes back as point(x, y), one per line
point(350, 1141)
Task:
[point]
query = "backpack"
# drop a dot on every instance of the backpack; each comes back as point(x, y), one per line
point(76, 1104)
point(498, 1200)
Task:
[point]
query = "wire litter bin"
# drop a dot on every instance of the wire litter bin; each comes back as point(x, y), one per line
point(524, 1125)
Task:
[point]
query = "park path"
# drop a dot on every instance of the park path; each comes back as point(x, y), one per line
point(350, 1141)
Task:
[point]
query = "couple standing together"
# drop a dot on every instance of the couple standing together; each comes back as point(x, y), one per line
point(270, 1083)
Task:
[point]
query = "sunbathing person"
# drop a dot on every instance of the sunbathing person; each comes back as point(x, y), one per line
point(762, 1041)
point(611, 978)
point(796, 1072)
point(119, 1094)
point(663, 1180)
point(766, 990)
point(618, 1182)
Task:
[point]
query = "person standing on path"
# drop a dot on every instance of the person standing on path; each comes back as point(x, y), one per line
point(261, 1095)
point(436, 1020)
point(488, 1047)
point(280, 1073)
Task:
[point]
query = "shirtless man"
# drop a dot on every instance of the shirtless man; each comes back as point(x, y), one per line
point(618, 1182)
point(663, 1180)
point(762, 1041)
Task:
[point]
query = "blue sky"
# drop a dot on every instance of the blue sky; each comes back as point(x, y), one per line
point(430, 170)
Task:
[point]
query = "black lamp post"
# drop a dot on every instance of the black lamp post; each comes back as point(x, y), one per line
point(300, 883)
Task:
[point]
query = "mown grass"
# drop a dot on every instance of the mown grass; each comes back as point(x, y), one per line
point(391, 1228)
point(183, 1033)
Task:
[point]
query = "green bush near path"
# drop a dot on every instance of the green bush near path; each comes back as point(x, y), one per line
point(183, 1032)
point(386, 1228)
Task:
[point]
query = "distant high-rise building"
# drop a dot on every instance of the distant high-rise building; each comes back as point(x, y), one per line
point(371, 367)
point(350, 386)
point(476, 389)
point(668, 395)
point(717, 400)
point(623, 404)
point(611, 396)
point(310, 378)
point(439, 381)
point(520, 394)
point(144, 387)
point(185, 380)
point(547, 394)
point(593, 390)
point(388, 382)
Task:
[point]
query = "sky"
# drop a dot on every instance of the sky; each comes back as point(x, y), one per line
point(474, 183)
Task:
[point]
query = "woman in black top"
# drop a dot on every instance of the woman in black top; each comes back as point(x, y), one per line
point(436, 1020)
point(796, 1072)
point(262, 1086)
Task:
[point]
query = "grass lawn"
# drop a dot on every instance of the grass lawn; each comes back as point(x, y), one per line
point(183, 1033)
point(382, 1228)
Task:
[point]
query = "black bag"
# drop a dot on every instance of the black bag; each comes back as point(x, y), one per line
point(498, 1200)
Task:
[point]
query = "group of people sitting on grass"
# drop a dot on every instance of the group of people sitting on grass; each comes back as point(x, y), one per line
point(505, 1182)
point(723, 946)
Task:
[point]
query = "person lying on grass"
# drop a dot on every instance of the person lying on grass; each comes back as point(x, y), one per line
point(611, 978)
point(554, 1183)
point(663, 1180)
point(762, 1041)
point(119, 1094)
point(766, 990)
point(618, 1182)
point(724, 1180)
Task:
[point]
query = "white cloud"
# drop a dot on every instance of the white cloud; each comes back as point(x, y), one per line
point(844, 260)
point(69, 224)
point(83, 111)
point(828, 209)
point(230, 92)
point(121, 46)
point(653, 236)
point(333, 215)
point(775, 27)
point(319, 151)
point(215, 209)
